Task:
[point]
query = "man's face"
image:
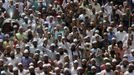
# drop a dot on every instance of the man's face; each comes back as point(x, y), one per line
point(108, 68)
point(11, 2)
point(20, 66)
point(31, 70)
point(121, 29)
point(130, 68)
point(15, 72)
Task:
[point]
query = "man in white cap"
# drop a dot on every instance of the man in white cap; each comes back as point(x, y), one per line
point(26, 59)
point(130, 70)
point(108, 70)
point(15, 71)
point(21, 69)
point(58, 71)
point(10, 69)
point(39, 68)
point(120, 34)
point(74, 67)
point(34, 45)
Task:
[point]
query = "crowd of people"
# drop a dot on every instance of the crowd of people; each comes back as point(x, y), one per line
point(67, 37)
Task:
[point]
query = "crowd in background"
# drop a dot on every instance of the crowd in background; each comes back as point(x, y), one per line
point(67, 37)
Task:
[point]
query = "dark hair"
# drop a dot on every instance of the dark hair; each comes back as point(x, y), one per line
point(119, 42)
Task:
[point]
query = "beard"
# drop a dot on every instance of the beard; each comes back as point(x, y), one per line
point(108, 70)
point(130, 71)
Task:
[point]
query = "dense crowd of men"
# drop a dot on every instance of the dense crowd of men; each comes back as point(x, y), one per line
point(67, 37)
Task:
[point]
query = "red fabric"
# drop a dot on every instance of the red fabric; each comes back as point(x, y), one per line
point(60, 1)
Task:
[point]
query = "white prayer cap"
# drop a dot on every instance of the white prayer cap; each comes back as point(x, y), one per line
point(107, 64)
point(84, 60)
point(39, 62)
point(44, 65)
point(15, 26)
point(109, 28)
point(93, 59)
point(96, 31)
point(125, 56)
point(31, 67)
point(66, 56)
point(120, 25)
point(26, 51)
point(114, 60)
point(106, 58)
point(45, 39)
point(25, 17)
point(15, 69)
point(63, 37)
point(10, 64)
point(73, 44)
point(132, 25)
point(1, 59)
point(96, 35)
point(86, 44)
point(56, 68)
point(17, 46)
point(20, 64)
point(46, 28)
point(26, 45)
point(45, 22)
point(79, 68)
point(23, 14)
point(58, 16)
point(132, 50)
point(65, 27)
point(35, 39)
point(31, 64)
point(130, 64)
point(76, 61)
point(31, 15)
point(49, 65)
point(94, 42)
point(75, 40)
point(93, 67)
point(60, 47)
point(113, 38)
point(45, 55)
point(66, 69)
point(3, 72)
point(52, 44)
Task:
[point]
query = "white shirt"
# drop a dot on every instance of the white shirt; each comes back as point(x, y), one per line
point(104, 72)
point(127, 73)
point(38, 71)
point(23, 72)
point(82, 17)
point(120, 35)
point(130, 57)
point(90, 33)
point(13, 61)
point(73, 71)
point(108, 10)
